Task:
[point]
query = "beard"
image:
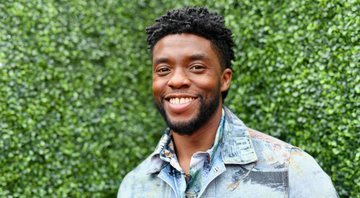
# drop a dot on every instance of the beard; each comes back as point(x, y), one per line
point(205, 112)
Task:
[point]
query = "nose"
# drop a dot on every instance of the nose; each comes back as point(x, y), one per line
point(179, 79)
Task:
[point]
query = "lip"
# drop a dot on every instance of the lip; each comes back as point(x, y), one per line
point(179, 95)
point(179, 108)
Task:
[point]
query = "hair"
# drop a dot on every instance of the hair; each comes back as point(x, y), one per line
point(199, 21)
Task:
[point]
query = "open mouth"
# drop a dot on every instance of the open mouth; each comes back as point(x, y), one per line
point(179, 103)
point(177, 100)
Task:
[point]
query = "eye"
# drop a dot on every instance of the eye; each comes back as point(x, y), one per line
point(197, 68)
point(162, 70)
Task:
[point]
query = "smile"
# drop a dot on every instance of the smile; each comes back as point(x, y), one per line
point(179, 104)
point(181, 100)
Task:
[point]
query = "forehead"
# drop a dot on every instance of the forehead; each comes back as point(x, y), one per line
point(184, 44)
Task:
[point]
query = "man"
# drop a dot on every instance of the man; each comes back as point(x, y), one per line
point(206, 150)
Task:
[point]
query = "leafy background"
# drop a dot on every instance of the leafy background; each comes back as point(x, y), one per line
point(76, 112)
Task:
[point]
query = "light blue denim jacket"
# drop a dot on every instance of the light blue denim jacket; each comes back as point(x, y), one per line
point(242, 163)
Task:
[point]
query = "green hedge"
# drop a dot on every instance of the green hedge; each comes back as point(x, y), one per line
point(76, 112)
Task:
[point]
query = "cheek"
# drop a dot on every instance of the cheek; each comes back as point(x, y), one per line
point(207, 83)
point(158, 87)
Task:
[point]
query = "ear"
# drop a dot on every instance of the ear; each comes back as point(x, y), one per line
point(226, 79)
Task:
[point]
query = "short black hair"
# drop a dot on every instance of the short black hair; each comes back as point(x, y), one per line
point(199, 21)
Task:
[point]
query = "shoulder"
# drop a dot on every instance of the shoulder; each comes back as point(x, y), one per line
point(270, 150)
point(136, 177)
point(267, 139)
point(139, 170)
point(305, 176)
point(144, 180)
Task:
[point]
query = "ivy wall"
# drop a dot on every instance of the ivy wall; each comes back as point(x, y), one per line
point(76, 112)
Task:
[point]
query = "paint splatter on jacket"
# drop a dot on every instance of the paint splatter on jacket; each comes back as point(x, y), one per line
point(242, 163)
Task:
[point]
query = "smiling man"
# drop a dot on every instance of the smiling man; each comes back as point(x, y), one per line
point(207, 151)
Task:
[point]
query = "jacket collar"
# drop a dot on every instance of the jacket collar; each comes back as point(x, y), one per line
point(236, 145)
point(156, 163)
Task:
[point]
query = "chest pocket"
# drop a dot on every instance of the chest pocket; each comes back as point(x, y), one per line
point(239, 184)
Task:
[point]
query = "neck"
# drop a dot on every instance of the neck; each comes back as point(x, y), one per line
point(200, 140)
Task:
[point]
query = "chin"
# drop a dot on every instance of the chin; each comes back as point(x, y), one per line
point(187, 127)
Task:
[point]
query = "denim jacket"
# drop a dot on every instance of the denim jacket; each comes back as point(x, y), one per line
point(245, 163)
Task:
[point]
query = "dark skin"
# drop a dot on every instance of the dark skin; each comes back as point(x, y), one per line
point(186, 73)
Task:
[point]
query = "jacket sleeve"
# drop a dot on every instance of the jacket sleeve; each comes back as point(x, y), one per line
point(307, 179)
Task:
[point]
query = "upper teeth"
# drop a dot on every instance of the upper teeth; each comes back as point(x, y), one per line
point(180, 100)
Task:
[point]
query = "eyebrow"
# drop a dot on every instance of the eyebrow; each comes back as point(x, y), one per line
point(199, 56)
point(161, 60)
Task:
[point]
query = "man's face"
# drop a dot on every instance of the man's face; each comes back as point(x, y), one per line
point(187, 81)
